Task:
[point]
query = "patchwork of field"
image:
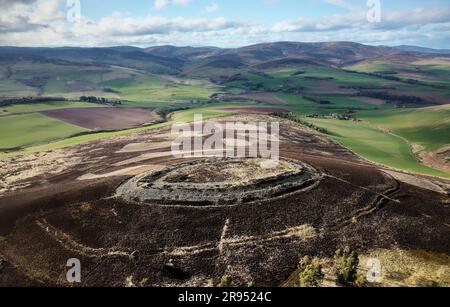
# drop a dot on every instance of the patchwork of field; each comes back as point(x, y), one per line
point(135, 87)
point(25, 126)
point(395, 102)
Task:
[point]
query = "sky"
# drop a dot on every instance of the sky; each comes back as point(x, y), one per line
point(222, 23)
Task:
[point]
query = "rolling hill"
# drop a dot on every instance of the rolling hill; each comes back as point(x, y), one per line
point(386, 88)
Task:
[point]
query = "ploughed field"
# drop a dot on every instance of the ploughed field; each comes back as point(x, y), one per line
point(80, 202)
point(104, 118)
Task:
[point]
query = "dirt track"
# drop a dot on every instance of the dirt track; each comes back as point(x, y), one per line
point(171, 244)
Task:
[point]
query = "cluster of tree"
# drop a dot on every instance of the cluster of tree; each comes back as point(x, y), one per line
point(387, 72)
point(294, 118)
point(345, 270)
point(377, 75)
point(319, 78)
point(298, 73)
point(164, 113)
point(317, 100)
point(388, 75)
point(369, 88)
point(260, 87)
point(262, 74)
point(28, 100)
point(399, 101)
point(311, 273)
point(219, 97)
point(99, 100)
point(234, 78)
point(256, 87)
point(346, 116)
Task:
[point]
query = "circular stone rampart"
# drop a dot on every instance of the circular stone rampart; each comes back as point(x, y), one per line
point(218, 182)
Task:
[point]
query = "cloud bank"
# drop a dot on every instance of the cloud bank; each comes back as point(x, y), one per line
point(44, 23)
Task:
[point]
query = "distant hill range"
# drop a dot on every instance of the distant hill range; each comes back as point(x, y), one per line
point(423, 49)
point(174, 60)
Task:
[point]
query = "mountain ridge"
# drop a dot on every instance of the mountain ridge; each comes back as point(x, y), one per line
point(173, 60)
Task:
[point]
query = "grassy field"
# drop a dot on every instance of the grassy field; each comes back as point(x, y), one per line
point(207, 113)
point(333, 75)
point(386, 135)
point(338, 104)
point(152, 91)
point(12, 88)
point(427, 127)
point(375, 145)
point(30, 129)
point(431, 73)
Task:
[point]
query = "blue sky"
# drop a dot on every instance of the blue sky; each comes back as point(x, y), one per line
point(257, 10)
point(224, 23)
point(261, 10)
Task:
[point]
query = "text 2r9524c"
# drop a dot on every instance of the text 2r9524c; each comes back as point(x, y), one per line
point(248, 297)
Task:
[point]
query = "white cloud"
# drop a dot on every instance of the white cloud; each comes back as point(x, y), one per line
point(344, 4)
point(28, 15)
point(119, 25)
point(43, 23)
point(211, 8)
point(357, 20)
point(161, 4)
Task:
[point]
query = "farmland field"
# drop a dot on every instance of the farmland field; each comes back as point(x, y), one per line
point(30, 129)
point(427, 127)
point(103, 118)
point(155, 92)
point(374, 92)
point(375, 145)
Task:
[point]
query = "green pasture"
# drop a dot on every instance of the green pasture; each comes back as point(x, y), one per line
point(375, 145)
point(30, 129)
point(427, 127)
